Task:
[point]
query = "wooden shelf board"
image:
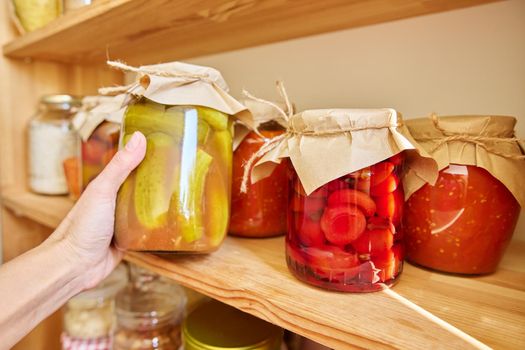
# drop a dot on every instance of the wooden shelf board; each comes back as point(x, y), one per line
point(425, 309)
point(146, 31)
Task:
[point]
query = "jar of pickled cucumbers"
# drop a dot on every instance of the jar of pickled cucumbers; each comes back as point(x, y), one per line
point(149, 313)
point(345, 197)
point(261, 210)
point(217, 326)
point(464, 222)
point(52, 140)
point(178, 198)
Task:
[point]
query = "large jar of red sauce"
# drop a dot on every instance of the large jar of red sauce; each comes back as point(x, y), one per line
point(464, 222)
point(345, 197)
point(261, 210)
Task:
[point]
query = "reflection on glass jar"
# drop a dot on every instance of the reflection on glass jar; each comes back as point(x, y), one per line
point(178, 199)
point(261, 211)
point(98, 150)
point(462, 224)
point(347, 235)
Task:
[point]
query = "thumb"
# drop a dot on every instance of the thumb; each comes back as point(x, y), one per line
point(122, 165)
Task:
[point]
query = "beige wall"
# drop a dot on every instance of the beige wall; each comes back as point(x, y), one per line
point(464, 61)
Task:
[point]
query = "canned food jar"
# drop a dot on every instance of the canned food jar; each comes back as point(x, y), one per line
point(261, 211)
point(464, 222)
point(52, 140)
point(149, 313)
point(178, 198)
point(89, 317)
point(217, 326)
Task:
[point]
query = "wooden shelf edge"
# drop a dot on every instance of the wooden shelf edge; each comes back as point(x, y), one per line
point(202, 28)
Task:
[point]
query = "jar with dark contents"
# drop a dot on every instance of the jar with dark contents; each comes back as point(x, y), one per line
point(464, 222)
point(261, 211)
point(149, 313)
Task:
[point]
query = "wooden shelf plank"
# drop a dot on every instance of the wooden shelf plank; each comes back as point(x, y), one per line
point(424, 310)
point(145, 31)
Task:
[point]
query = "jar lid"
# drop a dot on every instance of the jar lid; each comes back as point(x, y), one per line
point(61, 101)
point(216, 326)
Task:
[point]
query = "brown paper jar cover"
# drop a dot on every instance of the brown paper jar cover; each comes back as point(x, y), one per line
point(485, 141)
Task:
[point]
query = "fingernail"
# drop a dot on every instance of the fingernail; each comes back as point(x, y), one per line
point(133, 142)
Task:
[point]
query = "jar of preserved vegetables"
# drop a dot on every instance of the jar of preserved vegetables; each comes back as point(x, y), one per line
point(34, 14)
point(178, 198)
point(346, 196)
point(52, 140)
point(89, 317)
point(217, 326)
point(149, 313)
point(464, 222)
point(261, 210)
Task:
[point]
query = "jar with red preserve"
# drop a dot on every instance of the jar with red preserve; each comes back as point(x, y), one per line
point(464, 222)
point(261, 210)
point(345, 197)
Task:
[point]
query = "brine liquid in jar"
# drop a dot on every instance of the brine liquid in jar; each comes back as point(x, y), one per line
point(261, 211)
point(178, 198)
point(347, 234)
point(463, 223)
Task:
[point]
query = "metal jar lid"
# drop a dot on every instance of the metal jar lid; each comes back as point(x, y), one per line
point(216, 326)
point(61, 101)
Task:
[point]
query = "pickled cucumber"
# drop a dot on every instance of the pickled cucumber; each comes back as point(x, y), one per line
point(186, 205)
point(152, 181)
point(216, 119)
point(218, 212)
point(149, 117)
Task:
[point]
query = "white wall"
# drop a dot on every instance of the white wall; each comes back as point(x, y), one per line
point(464, 61)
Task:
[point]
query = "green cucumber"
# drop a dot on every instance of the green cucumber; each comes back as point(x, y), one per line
point(216, 119)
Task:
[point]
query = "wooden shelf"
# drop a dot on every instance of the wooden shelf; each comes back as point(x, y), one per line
point(145, 31)
point(425, 310)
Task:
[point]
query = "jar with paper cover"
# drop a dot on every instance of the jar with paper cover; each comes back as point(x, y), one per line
point(464, 222)
point(98, 124)
point(260, 210)
point(178, 198)
point(346, 196)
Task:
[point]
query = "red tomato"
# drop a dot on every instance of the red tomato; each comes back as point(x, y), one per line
point(332, 262)
point(352, 197)
point(321, 192)
point(388, 185)
point(380, 172)
point(386, 262)
point(309, 231)
point(337, 184)
point(374, 241)
point(397, 159)
point(308, 205)
point(390, 206)
point(342, 225)
point(93, 152)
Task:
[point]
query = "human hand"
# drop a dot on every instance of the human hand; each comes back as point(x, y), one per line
point(86, 232)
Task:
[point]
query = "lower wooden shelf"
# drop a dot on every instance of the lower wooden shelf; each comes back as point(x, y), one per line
point(424, 310)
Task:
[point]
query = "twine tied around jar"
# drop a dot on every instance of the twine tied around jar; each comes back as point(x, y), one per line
point(271, 144)
point(480, 141)
point(185, 77)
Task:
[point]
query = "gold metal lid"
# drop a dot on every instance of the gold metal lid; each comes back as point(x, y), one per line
point(61, 101)
point(217, 326)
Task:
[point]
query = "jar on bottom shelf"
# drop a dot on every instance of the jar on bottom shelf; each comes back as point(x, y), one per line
point(149, 313)
point(217, 326)
point(462, 224)
point(261, 211)
point(347, 234)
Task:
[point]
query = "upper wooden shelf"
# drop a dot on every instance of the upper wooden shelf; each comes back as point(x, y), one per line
point(150, 31)
point(425, 309)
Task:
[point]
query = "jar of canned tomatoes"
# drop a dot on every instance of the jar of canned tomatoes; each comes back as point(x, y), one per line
point(464, 222)
point(178, 198)
point(345, 197)
point(261, 210)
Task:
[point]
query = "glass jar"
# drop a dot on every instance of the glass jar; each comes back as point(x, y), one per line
point(217, 326)
point(149, 313)
point(261, 211)
point(51, 141)
point(75, 4)
point(98, 150)
point(89, 316)
point(463, 223)
point(178, 199)
point(347, 235)
point(34, 14)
